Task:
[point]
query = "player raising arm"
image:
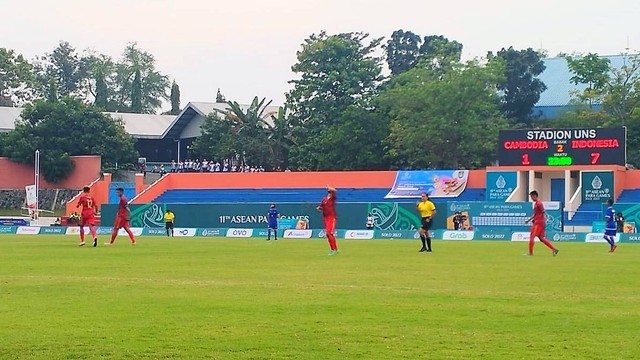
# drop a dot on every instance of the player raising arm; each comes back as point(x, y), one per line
point(328, 209)
point(122, 218)
point(538, 224)
point(88, 215)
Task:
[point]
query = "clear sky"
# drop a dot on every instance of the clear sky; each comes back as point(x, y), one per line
point(247, 47)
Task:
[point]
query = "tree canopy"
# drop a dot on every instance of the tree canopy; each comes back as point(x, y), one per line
point(66, 128)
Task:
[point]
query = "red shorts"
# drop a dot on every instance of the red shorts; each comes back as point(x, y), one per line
point(537, 231)
point(121, 222)
point(87, 219)
point(330, 225)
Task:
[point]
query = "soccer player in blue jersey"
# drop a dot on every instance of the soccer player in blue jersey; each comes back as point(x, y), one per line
point(610, 229)
point(273, 216)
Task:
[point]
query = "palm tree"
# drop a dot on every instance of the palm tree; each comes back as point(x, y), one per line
point(280, 135)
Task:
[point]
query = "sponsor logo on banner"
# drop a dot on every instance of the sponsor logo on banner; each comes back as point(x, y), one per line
point(599, 238)
point(458, 235)
point(75, 230)
point(298, 234)
point(391, 234)
point(51, 230)
point(239, 233)
point(154, 231)
point(184, 232)
point(210, 232)
point(28, 230)
point(551, 205)
point(104, 230)
point(6, 230)
point(564, 237)
point(492, 236)
point(136, 231)
point(359, 234)
point(520, 236)
point(633, 237)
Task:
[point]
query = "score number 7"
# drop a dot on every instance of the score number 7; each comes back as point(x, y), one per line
point(595, 157)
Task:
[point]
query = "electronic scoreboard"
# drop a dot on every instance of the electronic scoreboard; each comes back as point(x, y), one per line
point(563, 147)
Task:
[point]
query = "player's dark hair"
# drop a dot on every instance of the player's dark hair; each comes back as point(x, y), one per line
point(534, 193)
point(86, 189)
point(120, 189)
point(609, 201)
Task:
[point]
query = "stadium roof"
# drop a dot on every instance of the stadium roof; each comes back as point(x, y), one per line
point(557, 77)
point(148, 126)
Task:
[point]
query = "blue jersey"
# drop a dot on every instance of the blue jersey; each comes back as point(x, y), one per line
point(610, 218)
point(272, 216)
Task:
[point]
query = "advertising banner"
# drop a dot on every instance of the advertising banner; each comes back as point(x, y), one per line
point(457, 235)
point(28, 230)
point(506, 215)
point(597, 186)
point(598, 238)
point(184, 232)
point(437, 183)
point(566, 237)
point(359, 234)
point(239, 233)
point(492, 234)
point(500, 185)
point(52, 230)
point(211, 232)
point(297, 234)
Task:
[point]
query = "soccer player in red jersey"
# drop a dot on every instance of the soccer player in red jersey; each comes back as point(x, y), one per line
point(122, 218)
point(328, 209)
point(88, 215)
point(538, 224)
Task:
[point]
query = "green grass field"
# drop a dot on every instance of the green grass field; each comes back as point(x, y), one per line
point(204, 298)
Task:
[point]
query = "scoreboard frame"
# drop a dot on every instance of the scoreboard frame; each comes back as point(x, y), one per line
point(563, 147)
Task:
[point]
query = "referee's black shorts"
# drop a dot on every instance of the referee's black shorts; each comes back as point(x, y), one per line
point(169, 225)
point(426, 223)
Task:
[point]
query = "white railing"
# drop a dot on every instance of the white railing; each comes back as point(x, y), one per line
point(574, 203)
point(149, 187)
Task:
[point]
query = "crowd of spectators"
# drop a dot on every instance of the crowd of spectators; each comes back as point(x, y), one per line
point(205, 166)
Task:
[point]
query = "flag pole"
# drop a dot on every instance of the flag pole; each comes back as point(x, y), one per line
point(37, 184)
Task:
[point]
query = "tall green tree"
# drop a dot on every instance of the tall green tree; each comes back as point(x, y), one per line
point(439, 53)
point(593, 71)
point(153, 85)
point(521, 87)
point(175, 99)
point(336, 73)
point(622, 90)
point(16, 78)
point(64, 66)
point(217, 140)
point(52, 96)
point(136, 93)
point(65, 128)
point(444, 121)
point(402, 51)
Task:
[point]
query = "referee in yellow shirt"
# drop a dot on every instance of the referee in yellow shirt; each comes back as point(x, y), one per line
point(427, 211)
point(169, 218)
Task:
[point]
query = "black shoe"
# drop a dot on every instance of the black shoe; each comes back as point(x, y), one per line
point(268, 239)
point(429, 250)
point(423, 250)
point(275, 239)
point(95, 242)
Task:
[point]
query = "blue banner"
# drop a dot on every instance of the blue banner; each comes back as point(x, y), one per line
point(500, 185)
point(53, 230)
point(597, 186)
point(436, 183)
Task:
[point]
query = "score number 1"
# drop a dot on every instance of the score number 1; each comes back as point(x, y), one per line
point(525, 160)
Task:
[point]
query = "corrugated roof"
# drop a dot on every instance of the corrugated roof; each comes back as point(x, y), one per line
point(8, 117)
point(140, 126)
point(557, 77)
point(145, 126)
point(206, 108)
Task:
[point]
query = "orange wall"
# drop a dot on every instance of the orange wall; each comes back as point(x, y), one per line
point(99, 191)
point(17, 176)
point(477, 179)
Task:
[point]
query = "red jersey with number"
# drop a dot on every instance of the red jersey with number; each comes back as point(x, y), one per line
point(123, 211)
point(328, 207)
point(538, 213)
point(88, 203)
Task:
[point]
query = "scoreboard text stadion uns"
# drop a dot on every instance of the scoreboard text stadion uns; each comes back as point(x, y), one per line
point(563, 147)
